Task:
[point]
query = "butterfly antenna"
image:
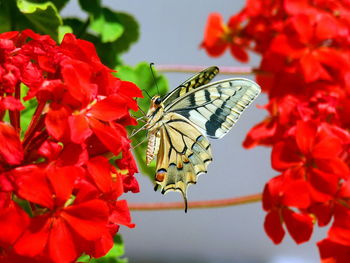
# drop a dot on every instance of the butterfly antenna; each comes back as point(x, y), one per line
point(154, 78)
point(147, 93)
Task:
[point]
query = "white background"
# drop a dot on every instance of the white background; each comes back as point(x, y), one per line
point(171, 32)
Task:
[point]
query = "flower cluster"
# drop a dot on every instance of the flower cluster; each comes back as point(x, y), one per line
point(59, 193)
point(305, 71)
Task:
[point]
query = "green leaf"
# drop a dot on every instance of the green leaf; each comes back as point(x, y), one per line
point(44, 16)
point(118, 248)
point(62, 30)
point(130, 35)
point(122, 38)
point(60, 3)
point(113, 256)
point(90, 6)
point(110, 52)
point(75, 24)
point(84, 258)
point(107, 25)
point(5, 16)
point(142, 77)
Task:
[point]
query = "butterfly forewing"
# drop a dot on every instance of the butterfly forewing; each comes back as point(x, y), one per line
point(216, 107)
point(192, 83)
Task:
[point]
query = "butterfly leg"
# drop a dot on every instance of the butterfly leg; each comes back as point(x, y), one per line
point(140, 143)
point(134, 132)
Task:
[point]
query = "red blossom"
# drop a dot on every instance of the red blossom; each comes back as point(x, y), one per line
point(55, 167)
point(218, 37)
point(304, 71)
point(280, 194)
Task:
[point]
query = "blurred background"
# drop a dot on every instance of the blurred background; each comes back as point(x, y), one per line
point(171, 32)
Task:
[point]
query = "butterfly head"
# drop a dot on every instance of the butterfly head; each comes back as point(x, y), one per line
point(156, 101)
point(155, 111)
point(156, 105)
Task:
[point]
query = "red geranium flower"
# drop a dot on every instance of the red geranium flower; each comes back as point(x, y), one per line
point(305, 73)
point(313, 155)
point(68, 193)
point(279, 195)
point(218, 37)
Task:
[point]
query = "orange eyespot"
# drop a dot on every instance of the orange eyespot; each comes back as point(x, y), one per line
point(160, 176)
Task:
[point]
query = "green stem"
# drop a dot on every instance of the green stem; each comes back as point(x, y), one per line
point(197, 204)
point(34, 123)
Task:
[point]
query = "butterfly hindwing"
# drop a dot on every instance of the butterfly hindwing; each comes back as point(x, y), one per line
point(192, 83)
point(216, 107)
point(184, 153)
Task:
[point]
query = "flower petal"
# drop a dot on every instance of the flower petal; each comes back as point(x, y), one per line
point(299, 226)
point(34, 240)
point(273, 227)
point(61, 245)
point(88, 219)
point(14, 221)
point(305, 136)
point(10, 147)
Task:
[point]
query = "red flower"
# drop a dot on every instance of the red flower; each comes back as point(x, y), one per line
point(282, 112)
point(314, 156)
point(60, 221)
point(218, 37)
point(71, 192)
point(305, 72)
point(280, 194)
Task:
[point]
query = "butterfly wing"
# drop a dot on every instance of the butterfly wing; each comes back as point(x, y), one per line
point(192, 83)
point(184, 153)
point(216, 107)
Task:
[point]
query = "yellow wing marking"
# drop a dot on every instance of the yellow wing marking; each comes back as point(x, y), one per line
point(192, 83)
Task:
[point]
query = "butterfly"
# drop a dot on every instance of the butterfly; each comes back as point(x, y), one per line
point(179, 123)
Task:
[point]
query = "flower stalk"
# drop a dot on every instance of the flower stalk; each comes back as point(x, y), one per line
point(195, 69)
point(233, 201)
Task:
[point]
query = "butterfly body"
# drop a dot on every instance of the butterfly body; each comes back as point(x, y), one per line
point(154, 117)
point(178, 126)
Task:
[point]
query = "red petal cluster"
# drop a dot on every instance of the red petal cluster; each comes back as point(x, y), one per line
point(59, 195)
point(305, 48)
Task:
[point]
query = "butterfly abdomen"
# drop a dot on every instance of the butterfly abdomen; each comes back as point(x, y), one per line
point(152, 146)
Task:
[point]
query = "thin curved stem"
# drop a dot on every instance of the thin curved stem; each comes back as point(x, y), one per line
point(194, 69)
point(197, 204)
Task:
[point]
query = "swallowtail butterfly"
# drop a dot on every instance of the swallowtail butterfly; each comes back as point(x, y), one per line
point(178, 126)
